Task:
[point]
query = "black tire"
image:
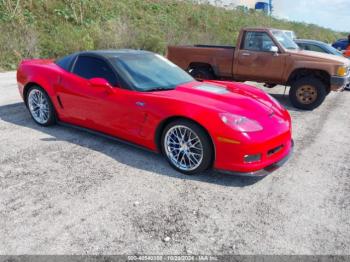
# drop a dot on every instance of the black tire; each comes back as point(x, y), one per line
point(201, 73)
point(268, 85)
point(312, 98)
point(205, 140)
point(51, 119)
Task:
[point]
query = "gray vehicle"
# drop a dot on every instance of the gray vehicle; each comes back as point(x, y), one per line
point(317, 46)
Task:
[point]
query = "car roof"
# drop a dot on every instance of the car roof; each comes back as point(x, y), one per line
point(112, 53)
point(309, 41)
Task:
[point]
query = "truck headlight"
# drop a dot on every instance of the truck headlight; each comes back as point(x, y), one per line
point(240, 123)
point(342, 71)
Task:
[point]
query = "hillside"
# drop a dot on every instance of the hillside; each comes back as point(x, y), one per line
point(52, 28)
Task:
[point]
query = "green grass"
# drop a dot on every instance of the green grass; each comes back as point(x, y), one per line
point(53, 28)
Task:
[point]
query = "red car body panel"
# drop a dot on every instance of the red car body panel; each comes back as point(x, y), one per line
point(347, 52)
point(138, 116)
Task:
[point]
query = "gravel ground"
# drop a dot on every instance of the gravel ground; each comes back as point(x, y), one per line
point(65, 191)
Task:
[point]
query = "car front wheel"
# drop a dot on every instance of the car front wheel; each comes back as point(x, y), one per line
point(187, 147)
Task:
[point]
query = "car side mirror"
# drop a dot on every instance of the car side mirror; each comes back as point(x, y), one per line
point(274, 49)
point(100, 83)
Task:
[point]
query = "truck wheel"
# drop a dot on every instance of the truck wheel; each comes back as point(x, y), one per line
point(307, 93)
point(201, 73)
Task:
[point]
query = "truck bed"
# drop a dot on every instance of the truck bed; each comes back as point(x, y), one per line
point(219, 57)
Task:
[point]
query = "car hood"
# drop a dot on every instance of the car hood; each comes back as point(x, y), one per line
point(228, 97)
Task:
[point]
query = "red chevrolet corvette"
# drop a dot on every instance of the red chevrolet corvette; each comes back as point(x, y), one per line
point(143, 98)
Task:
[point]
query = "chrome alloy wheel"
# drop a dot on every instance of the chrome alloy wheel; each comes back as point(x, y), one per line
point(38, 106)
point(183, 147)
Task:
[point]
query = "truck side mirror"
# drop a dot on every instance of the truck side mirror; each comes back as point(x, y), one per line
point(274, 49)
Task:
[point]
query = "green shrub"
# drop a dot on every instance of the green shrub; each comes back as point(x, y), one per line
point(17, 43)
point(64, 39)
point(53, 28)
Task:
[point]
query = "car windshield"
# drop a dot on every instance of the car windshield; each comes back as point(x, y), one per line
point(290, 34)
point(332, 50)
point(150, 72)
point(285, 40)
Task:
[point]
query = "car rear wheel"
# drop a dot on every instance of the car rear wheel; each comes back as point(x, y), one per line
point(40, 106)
point(187, 147)
point(201, 73)
point(307, 93)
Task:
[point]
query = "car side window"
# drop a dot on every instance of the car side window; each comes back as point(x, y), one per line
point(257, 41)
point(315, 48)
point(302, 46)
point(90, 67)
point(66, 62)
point(306, 47)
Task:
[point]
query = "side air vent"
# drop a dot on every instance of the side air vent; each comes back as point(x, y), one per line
point(59, 102)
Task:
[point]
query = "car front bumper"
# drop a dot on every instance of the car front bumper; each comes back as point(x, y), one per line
point(265, 171)
point(274, 152)
point(340, 83)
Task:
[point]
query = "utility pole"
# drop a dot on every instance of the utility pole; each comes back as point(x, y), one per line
point(271, 7)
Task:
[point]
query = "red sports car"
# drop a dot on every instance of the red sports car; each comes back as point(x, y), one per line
point(143, 98)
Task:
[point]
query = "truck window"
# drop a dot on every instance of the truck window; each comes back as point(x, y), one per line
point(284, 40)
point(257, 41)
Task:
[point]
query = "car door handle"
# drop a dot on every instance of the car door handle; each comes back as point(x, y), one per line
point(246, 54)
point(139, 103)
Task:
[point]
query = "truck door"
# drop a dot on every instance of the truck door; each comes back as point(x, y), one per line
point(258, 59)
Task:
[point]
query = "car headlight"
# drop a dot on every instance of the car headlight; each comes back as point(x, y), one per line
point(342, 71)
point(240, 123)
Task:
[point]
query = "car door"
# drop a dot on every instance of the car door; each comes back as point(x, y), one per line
point(255, 61)
point(113, 111)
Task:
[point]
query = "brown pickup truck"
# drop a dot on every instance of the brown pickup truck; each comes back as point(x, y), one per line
point(267, 56)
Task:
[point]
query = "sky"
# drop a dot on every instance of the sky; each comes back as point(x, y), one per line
point(333, 14)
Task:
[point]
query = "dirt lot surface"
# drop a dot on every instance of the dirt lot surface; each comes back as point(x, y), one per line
point(65, 191)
